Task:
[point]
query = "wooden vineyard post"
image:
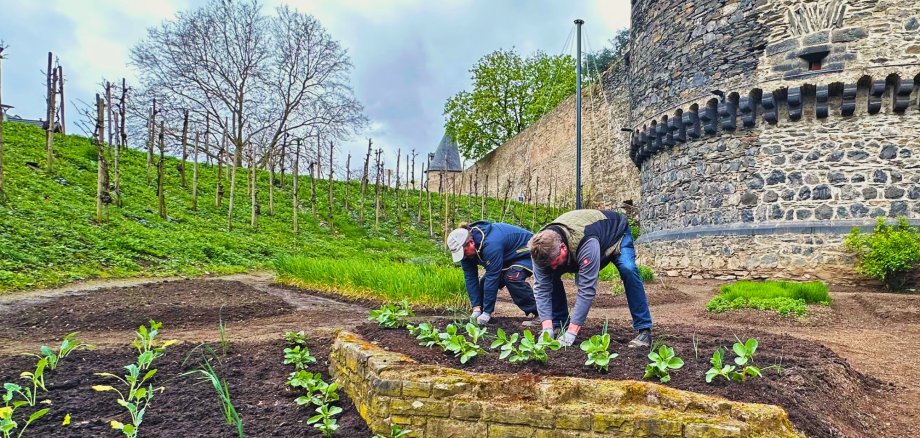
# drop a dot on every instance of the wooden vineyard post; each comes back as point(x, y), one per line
point(182, 181)
point(108, 110)
point(49, 131)
point(295, 207)
point(379, 173)
point(161, 174)
point(195, 174)
point(219, 189)
point(347, 178)
point(2, 117)
point(122, 110)
point(396, 193)
point(102, 183)
point(313, 187)
point(235, 162)
point(331, 197)
point(364, 179)
point(60, 81)
point(271, 183)
point(253, 184)
point(151, 137)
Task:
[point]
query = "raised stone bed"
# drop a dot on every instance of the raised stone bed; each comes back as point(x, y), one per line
point(391, 388)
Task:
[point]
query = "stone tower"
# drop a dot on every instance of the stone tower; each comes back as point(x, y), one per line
point(764, 130)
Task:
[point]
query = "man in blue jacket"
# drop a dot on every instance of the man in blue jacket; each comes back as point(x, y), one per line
point(502, 250)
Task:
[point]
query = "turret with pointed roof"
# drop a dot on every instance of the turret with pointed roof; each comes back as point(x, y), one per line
point(447, 157)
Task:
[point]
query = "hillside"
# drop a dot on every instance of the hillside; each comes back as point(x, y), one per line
point(49, 235)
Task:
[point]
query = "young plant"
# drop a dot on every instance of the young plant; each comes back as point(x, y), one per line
point(507, 344)
point(8, 425)
point(392, 315)
point(318, 392)
point(535, 350)
point(295, 338)
point(207, 373)
point(745, 359)
point(145, 340)
point(222, 332)
point(323, 419)
point(37, 379)
point(718, 367)
point(662, 361)
point(596, 347)
point(395, 432)
point(69, 344)
point(427, 334)
point(458, 344)
point(137, 398)
point(299, 356)
point(475, 332)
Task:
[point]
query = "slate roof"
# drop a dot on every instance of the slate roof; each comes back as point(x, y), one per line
point(446, 157)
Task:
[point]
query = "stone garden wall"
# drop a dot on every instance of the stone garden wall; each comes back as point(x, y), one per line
point(390, 388)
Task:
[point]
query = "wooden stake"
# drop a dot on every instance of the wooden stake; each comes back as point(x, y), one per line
point(195, 172)
point(2, 117)
point(347, 178)
point(60, 81)
point(122, 109)
point(296, 203)
point(182, 180)
point(109, 112)
point(271, 183)
point(379, 172)
point(364, 179)
point(219, 189)
point(161, 174)
point(102, 183)
point(49, 132)
point(253, 183)
point(233, 165)
point(331, 197)
point(151, 138)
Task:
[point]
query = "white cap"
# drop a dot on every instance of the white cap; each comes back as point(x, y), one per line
point(455, 241)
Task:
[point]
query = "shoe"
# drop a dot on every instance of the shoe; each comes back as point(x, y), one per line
point(643, 340)
point(483, 319)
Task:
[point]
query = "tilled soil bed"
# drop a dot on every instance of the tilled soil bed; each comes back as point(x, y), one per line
point(823, 395)
point(183, 304)
point(187, 408)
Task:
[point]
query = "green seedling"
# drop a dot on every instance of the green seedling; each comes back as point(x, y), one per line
point(427, 334)
point(145, 340)
point(69, 344)
point(8, 426)
point(596, 347)
point(37, 379)
point(745, 358)
point(207, 373)
point(507, 344)
point(475, 332)
point(718, 367)
point(662, 361)
point(295, 338)
point(137, 398)
point(535, 350)
point(222, 332)
point(395, 432)
point(323, 419)
point(318, 392)
point(298, 356)
point(457, 343)
point(392, 315)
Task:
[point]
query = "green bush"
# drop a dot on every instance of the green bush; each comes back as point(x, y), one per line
point(889, 253)
point(610, 273)
point(786, 298)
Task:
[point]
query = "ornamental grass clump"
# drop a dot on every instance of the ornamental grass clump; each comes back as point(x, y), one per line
point(207, 373)
point(786, 298)
point(890, 253)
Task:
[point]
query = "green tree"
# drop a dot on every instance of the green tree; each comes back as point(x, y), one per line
point(598, 62)
point(509, 94)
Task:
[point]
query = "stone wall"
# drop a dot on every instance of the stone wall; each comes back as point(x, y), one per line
point(540, 161)
point(390, 388)
point(816, 134)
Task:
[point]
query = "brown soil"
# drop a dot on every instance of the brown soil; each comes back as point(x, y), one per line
point(187, 407)
point(823, 395)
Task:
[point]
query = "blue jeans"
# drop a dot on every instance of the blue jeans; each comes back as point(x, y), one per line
point(625, 262)
point(515, 280)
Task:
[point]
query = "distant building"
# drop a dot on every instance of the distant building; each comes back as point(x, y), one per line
point(445, 163)
point(39, 123)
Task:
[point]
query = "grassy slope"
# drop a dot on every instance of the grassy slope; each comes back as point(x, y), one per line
point(48, 234)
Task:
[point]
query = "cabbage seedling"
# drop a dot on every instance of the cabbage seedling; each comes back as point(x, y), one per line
point(69, 344)
point(458, 344)
point(662, 360)
point(299, 356)
point(296, 338)
point(323, 419)
point(136, 400)
point(596, 347)
point(426, 333)
point(535, 350)
point(37, 378)
point(745, 359)
point(475, 332)
point(8, 425)
point(718, 368)
point(392, 315)
point(506, 343)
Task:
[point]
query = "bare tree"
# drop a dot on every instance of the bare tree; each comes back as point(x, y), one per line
point(269, 74)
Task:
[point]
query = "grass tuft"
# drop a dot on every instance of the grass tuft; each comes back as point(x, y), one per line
point(786, 298)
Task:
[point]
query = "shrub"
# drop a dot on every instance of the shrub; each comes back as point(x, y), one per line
point(610, 273)
point(787, 298)
point(889, 253)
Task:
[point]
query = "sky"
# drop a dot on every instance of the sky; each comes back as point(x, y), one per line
point(409, 56)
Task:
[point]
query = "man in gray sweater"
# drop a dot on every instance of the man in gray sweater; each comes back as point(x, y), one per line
point(584, 242)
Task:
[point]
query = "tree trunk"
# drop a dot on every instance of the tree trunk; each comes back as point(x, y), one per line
point(296, 203)
point(161, 173)
point(182, 181)
point(60, 76)
point(195, 174)
point(49, 132)
point(102, 199)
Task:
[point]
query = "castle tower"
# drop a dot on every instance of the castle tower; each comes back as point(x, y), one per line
point(765, 130)
point(445, 166)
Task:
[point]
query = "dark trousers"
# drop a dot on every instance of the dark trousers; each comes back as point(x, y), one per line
point(515, 280)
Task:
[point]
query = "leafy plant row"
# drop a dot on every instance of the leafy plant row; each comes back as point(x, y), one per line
point(316, 391)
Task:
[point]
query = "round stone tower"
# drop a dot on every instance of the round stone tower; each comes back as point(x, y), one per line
point(764, 130)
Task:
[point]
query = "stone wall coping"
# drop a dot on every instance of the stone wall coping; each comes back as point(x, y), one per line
point(391, 388)
point(764, 229)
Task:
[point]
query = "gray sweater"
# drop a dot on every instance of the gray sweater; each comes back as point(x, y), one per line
point(589, 262)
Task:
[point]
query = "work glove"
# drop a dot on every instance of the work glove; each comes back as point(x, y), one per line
point(550, 331)
point(567, 339)
point(476, 314)
point(483, 318)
